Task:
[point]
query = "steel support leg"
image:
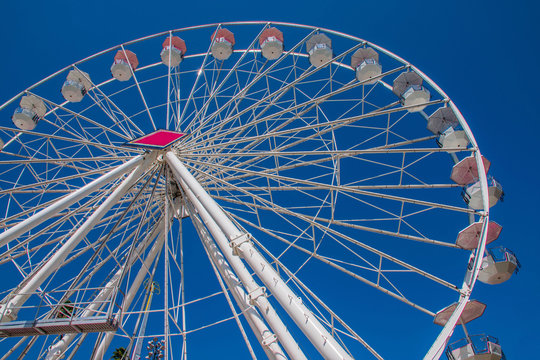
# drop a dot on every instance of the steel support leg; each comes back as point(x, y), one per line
point(9, 311)
point(257, 294)
point(66, 201)
point(323, 341)
point(265, 337)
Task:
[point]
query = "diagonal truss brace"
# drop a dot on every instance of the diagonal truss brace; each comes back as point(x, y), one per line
point(244, 300)
point(317, 334)
point(58, 348)
point(63, 203)
point(13, 303)
point(159, 235)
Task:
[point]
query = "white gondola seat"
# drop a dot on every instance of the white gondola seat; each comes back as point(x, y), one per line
point(408, 86)
point(28, 114)
point(365, 61)
point(125, 62)
point(120, 70)
point(25, 119)
point(76, 85)
point(73, 91)
point(368, 69)
point(498, 266)
point(319, 48)
point(271, 42)
point(453, 139)
point(472, 194)
point(222, 45)
point(174, 49)
point(172, 53)
point(475, 347)
point(415, 95)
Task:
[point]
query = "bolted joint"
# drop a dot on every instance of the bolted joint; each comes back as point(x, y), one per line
point(8, 312)
point(255, 294)
point(269, 339)
point(238, 241)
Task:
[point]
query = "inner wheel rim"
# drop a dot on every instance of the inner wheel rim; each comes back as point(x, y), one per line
point(330, 176)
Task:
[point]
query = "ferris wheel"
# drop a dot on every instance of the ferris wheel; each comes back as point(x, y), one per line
point(294, 192)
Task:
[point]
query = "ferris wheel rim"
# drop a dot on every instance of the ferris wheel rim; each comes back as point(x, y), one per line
point(447, 100)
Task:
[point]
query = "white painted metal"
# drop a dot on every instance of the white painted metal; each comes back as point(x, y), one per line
point(319, 48)
point(121, 70)
point(139, 343)
point(73, 91)
point(496, 271)
point(488, 351)
point(453, 139)
point(237, 317)
point(323, 341)
point(25, 119)
point(474, 194)
point(368, 71)
point(244, 89)
point(170, 58)
point(171, 55)
point(76, 85)
point(438, 346)
point(11, 307)
point(166, 258)
point(99, 354)
point(416, 98)
point(216, 152)
point(442, 119)
point(56, 351)
point(31, 111)
point(215, 91)
point(63, 203)
point(132, 72)
point(221, 49)
point(251, 286)
point(34, 104)
point(272, 48)
point(253, 317)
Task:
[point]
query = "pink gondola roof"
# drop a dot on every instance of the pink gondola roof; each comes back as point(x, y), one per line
point(269, 33)
point(131, 57)
point(466, 171)
point(176, 42)
point(473, 310)
point(224, 33)
point(468, 238)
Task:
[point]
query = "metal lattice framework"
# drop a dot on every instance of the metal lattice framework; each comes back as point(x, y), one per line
point(324, 206)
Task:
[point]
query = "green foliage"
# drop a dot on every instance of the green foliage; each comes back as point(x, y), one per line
point(119, 354)
point(65, 310)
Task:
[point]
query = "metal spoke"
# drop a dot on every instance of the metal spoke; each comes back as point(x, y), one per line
point(307, 182)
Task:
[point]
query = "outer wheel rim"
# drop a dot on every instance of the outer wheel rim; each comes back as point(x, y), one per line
point(427, 80)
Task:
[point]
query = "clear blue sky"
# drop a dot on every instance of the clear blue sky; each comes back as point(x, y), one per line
point(483, 54)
